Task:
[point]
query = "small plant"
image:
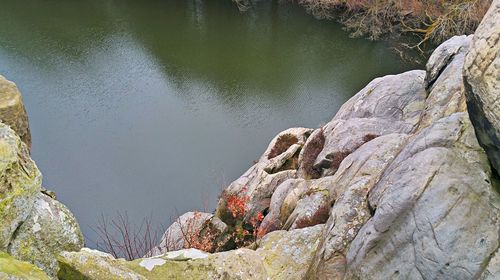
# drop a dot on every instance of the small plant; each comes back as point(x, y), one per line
point(121, 239)
point(246, 229)
point(193, 235)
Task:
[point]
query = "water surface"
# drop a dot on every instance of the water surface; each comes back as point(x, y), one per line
point(151, 107)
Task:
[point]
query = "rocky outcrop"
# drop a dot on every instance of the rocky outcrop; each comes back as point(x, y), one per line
point(12, 111)
point(482, 74)
point(281, 255)
point(398, 176)
point(34, 227)
point(395, 186)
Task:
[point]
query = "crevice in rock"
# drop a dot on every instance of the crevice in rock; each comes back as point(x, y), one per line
point(282, 144)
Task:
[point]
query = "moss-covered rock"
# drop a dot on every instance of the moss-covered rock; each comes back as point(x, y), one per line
point(287, 254)
point(20, 182)
point(183, 264)
point(12, 269)
point(50, 229)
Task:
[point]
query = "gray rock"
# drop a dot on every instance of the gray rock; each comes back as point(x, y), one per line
point(286, 255)
point(446, 91)
point(432, 206)
point(49, 229)
point(358, 173)
point(482, 83)
point(278, 163)
point(181, 232)
point(391, 104)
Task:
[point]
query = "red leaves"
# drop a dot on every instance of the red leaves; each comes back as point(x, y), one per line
point(245, 232)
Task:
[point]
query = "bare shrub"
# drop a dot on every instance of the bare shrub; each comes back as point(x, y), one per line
point(431, 20)
point(122, 239)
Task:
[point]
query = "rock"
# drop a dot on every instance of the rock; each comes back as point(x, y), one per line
point(287, 254)
point(357, 175)
point(443, 55)
point(311, 209)
point(185, 264)
point(391, 104)
point(280, 255)
point(446, 91)
point(49, 229)
point(185, 229)
point(492, 270)
point(20, 183)
point(90, 264)
point(12, 111)
point(255, 188)
point(12, 269)
point(432, 205)
point(309, 153)
point(482, 83)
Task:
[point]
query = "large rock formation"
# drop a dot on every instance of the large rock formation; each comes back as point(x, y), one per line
point(33, 226)
point(398, 176)
point(482, 75)
point(395, 186)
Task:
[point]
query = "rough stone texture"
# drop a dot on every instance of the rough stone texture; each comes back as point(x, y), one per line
point(482, 82)
point(432, 207)
point(391, 104)
point(12, 111)
point(20, 181)
point(174, 237)
point(278, 163)
point(49, 229)
point(445, 86)
point(287, 254)
point(281, 255)
point(185, 264)
point(358, 174)
point(12, 269)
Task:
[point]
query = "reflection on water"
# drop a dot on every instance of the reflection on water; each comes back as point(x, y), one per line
point(151, 106)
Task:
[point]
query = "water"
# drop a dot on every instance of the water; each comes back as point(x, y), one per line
point(151, 107)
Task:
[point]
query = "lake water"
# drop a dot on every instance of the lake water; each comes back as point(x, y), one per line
point(151, 107)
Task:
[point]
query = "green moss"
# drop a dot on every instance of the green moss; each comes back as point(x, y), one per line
point(22, 270)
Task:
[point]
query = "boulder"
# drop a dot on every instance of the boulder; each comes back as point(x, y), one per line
point(445, 87)
point(391, 104)
point(179, 235)
point(481, 75)
point(49, 229)
point(286, 255)
point(12, 111)
point(12, 269)
point(20, 182)
point(431, 206)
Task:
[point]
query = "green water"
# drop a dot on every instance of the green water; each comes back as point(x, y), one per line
point(151, 107)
